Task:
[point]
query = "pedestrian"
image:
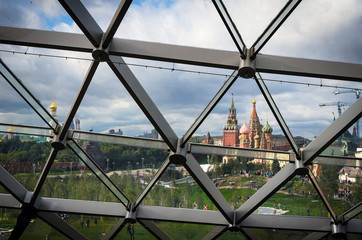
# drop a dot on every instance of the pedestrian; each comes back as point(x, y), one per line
point(95, 221)
point(88, 221)
point(279, 205)
point(81, 223)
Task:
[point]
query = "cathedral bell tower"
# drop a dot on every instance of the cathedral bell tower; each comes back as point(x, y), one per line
point(231, 130)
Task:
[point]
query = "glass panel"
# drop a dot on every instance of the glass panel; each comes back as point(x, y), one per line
point(232, 235)
point(24, 157)
point(298, 198)
point(176, 188)
point(271, 234)
point(8, 221)
point(347, 145)
point(185, 231)
point(309, 105)
point(231, 26)
point(27, 95)
point(275, 24)
point(250, 24)
point(339, 187)
point(38, 229)
point(35, 131)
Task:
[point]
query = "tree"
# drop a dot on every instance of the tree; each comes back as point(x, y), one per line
point(275, 167)
point(356, 189)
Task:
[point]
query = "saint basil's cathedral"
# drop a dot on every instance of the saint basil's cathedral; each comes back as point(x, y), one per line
point(252, 136)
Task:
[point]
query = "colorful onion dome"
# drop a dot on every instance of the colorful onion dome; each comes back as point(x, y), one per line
point(257, 136)
point(244, 128)
point(267, 128)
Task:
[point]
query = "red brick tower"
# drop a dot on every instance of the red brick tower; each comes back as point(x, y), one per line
point(231, 130)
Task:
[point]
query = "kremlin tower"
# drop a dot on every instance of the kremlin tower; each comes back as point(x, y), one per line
point(231, 130)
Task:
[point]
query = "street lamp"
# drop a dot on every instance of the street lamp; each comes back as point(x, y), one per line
point(107, 165)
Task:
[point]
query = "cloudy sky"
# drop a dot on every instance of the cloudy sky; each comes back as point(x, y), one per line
point(317, 29)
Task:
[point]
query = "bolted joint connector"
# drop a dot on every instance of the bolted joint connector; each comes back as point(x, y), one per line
point(300, 169)
point(247, 66)
point(131, 216)
point(101, 54)
point(57, 143)
point(179, 157)
point(338, 230)
point(233, 228)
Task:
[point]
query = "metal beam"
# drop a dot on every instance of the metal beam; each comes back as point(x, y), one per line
point(12, 185)
point(43, 175)
point(108, 209)
point(122, 140)
point(180, 215)
point(116, 229)
point(339, 126)
point(182, 54)
point(351, 213)
point(9, 201)
point(116, 21)
point(316, 235)
point(215, 233)
point(93, 166)
point(322, 196)
point(354, 226)
point(266, 191)
point(77, 101)
point(22, 222)
point(62, 226)
point(278, 116)
point(214, 101)
point(155, 178)
point(233, 31)
point(154, 229)
point(84, 20)
point(298, 223)
point(205, 183)
point(308, 67)
point(274, 26)
point(20, 88)
point(143, 100)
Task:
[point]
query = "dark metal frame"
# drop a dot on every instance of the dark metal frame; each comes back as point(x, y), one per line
point(105, 48)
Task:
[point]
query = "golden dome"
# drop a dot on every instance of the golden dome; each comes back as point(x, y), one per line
point(53, 106)
point(254, 101)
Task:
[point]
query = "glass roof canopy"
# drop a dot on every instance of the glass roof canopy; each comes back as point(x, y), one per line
point(101, 47)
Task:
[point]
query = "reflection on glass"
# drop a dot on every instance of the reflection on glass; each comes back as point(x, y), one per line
point(297, 197)
point(100, 174)
point(232, 235)
point(241, 152)
point(38, 229)
point(279, 234)
point(27, 96)
point(8, 221)
point(231, 26)
point(35, 131)
point(185, 230)
point(129, 141)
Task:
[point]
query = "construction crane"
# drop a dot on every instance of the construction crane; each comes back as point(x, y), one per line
point(339, 105)
point(358, 93)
